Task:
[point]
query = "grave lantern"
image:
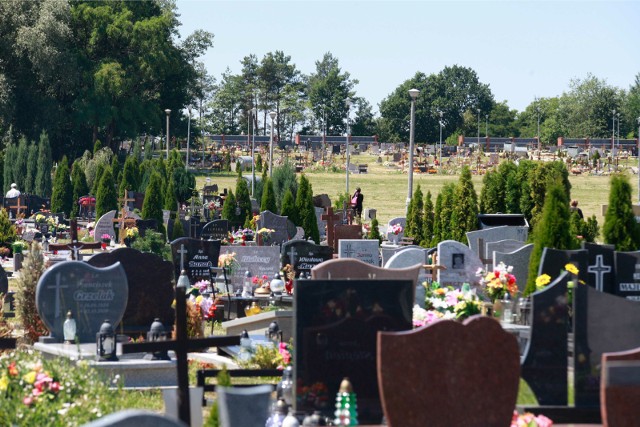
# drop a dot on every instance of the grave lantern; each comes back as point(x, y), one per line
point(274, 333)
point(106, 343)
point(277, 285)
point(157, 333)
point(69, 329)
point(247, 285)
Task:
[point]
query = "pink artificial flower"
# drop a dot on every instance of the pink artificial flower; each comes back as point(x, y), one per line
point(27, 400)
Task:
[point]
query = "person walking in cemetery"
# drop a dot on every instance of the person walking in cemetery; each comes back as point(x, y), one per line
point(13, 191)
point(356, 203)
point(574, 208)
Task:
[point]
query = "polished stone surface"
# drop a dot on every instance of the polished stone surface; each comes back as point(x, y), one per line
point(199, 257)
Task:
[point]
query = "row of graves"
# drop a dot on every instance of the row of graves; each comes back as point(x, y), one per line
point(339, 306)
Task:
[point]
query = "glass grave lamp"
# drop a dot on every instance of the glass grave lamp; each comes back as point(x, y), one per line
point(277, 285)
point(247, 285)
point(157, 333)
point(274, 333)
point(106, 343)
point(69, 329)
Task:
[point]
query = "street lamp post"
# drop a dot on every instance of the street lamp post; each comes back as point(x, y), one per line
point(168, 112)
point(348, 104)
point(186, 166)
point(638, 160)
point(478, 128)
point(486, 126)
point(273, 117)
point(252, 113)
point(538, 132)
point(439, 153)
point(414, 94)
point(613, 132)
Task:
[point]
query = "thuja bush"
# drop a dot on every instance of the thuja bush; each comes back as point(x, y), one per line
point(38, 392)
point(26, 283)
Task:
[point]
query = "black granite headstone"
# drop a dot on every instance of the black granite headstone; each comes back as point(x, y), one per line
point(92, 294)
point(283, 228)
point(150, 281)
point(216, 230)
point(545, 360)
point(198, 256)
point(600, 269)
point(4, 282)
point(627, 278)
point(303, 255)
point(257, 260)
point(335, 324)
point(553, 262)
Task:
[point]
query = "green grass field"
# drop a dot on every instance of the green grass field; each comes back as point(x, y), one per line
point(385, 187)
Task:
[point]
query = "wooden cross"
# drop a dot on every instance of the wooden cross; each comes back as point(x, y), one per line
point(181, 346)
point(332, 219)
point(19, 206)
point(123, 215)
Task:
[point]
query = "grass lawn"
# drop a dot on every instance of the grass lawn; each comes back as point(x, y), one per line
point(385, 188)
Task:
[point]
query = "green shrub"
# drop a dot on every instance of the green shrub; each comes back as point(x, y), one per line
point(153, 242)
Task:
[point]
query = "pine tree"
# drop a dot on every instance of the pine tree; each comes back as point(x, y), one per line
point(374, 231)
point(32, 169)
point(428, 222)
point(268, 202)
point(243, 199)
point(226, 164)
point(106, 197)
point(97, 146)
point(80, 187)
point(446, 211)
point(307, 212)
point(258, 162)
point(116, 171)
point(43, 176)
point(464, 216)
point(170, 199)
point(492, 193)
point(552, 231)
point(620, 227)
point(148, 150)
point(229, 209)
point(540, 178)
point(9, 159)
point(178, 229)
point(62, 197)
point(301, 201)
point(152, 205)
point(437, 221)
point(288, 205)
point(284, 178)
point(137, 149)
point(185, 184)
point(20, 165)
point(130, 173)
point(415, 216)
point(100, 168)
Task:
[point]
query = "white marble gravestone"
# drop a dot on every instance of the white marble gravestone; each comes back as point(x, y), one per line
point(104, 225)
point(461, 263)
point(393, 238)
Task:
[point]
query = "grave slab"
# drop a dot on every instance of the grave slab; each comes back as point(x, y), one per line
point(461, 263)
point(519, 260)
point(199, 257)
point(215, 230)
point(365, 250)
point(303, 255)
point(257, 260)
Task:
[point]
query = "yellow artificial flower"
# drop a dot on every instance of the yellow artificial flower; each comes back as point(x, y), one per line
point(30, 378)
point(571, 268)
point(542, 281)
point(4, 383)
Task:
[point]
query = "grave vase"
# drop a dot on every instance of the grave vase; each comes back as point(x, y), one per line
point(498, 308)
point(393, 239)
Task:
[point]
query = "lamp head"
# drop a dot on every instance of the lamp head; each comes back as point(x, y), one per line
point(272, 115)
point(168, 111)
point(414, 93)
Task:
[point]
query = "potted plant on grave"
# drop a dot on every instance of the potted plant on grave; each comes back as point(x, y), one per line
point(131, 234)
point(264, 235)
point(18, 246)
point(105, 239)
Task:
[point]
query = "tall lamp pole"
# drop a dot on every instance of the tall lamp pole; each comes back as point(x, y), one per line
point(168, 112)
point(347, 102)
point(538, 132)
point(486, 126)
point(439, 153)
point(478, 128)
point(253, 150)
point(613, 132)
point(414, 94)
point(186, 166)
point(638, 160)
point(273, 117)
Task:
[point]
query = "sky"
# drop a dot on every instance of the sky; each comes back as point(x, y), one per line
point(521, 49)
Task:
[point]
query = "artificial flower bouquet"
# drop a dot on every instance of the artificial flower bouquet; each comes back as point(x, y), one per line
point(445, 303)
point(499, 282)
point(396, 229)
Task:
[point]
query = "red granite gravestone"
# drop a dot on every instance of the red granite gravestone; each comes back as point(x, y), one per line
point(345, 232)
point(449, 374)
point(332, 219)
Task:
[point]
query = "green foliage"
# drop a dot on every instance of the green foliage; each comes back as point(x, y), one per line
point(97, 146)
point(288, 205)
point(32, 169)
point(268, 202)
point(7, 230)
point(553, 231)
point(62, 198)
point(464, 216)
point(137, 149)
point(185, 183)
point(620, 227)
point(80, 187)
point(26, 294)
point(116, 171)
point(540, 178)
point(99, 171)
point(428, 222)
point(45, 163)
point(152, 205)
point(170, 199)
point(258, 162)
point(226, 163)
point(130, 175)
point(20, 165)
point(10, 153)
point(374, 231)
point(492, 194)
point(148, 151)
point(340, 200)
point(243, 200)
point(153, 242)
point(229, 209)
point(178, 229)
point(304, 207)
point(446, 210)
point(284, 178)
point(415, 215)
point(106, 197)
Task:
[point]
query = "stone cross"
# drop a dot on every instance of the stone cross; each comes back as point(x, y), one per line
point(292, 254)
point(181, 346)
point(182, 251)
point(332, 219)
point(348, 250)
point(57, 287)
point(599, 269)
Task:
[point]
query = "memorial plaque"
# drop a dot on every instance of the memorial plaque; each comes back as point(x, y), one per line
point(195, 256)
point(519, 260)
point(303, 255)
point(104, 225)
point(216, 230)
point(150, 280)
point(365, 250)
point(335, 324)
point(402, 222)
point(627, 282)
point(257, 260)
point(92, 294)
point(322, 224)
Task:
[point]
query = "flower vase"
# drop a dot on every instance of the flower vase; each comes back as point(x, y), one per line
point(497, 309)
point(393, 239)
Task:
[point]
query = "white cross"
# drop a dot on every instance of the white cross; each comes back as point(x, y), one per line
point(292, 254)
point(57, 287)
point(348, 252)
point(599, 269)
point(182, 252)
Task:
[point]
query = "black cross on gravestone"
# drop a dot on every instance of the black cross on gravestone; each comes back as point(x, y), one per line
point(599, 269)
point(348, 250)
point(181, 346)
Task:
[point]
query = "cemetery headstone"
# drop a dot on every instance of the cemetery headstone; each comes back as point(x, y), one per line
point(303, 255)
point(387, 251)
point(92, 294)
point(104, 225)
point(4, 282)
point(299, 234)
point(321, 223)
point(150, 280)
point(366, 250)
point(257, 260)
point(146, 224)
point(553, 262)
point(408, 258)
point(283, 228)
point(627, 275)
point(135, 418)
point(506, 245)
point(321, 201)
point(461, 263)
point(519, 260)
point(395, 238)
point(345, 232)
point(216, 230)
point(199, 257)
point(331, 219)
point(544, 364)
point(620, 387)
point(336, 322)
point(494, 234)
point(601, 266)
